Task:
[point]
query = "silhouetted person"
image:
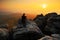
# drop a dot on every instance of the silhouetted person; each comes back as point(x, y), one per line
point(24, 20)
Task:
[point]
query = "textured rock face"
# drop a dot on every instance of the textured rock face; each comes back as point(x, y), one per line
point(50, 15)
point(3, 34)
point(30, 32)
point(46, 38)
point(49, 24)
point(41, 22)
point(53, 24)
point(52, 37)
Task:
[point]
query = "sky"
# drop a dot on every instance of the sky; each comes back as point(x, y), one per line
point(30, 6)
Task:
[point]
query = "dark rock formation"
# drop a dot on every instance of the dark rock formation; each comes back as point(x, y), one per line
point(41, 22)
point(3, 32)
point(53, 25)
point(30, 32)
point(49, 24)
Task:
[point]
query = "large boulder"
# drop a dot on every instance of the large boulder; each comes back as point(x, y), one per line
point(52, 14)
point(53, 25)
point(30, 32)
point(4, 32)
point(40, 21)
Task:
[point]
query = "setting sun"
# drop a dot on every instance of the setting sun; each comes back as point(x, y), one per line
point(44, 5)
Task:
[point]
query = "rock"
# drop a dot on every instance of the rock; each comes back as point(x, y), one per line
point(53, 25)
point(30, 32)
point(52, 37)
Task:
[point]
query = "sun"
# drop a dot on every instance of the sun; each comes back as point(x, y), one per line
point(44, 5)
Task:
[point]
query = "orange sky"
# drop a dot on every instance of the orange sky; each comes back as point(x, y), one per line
point(30, 6)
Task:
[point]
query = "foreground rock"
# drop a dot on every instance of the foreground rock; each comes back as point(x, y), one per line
point(52, 37)
point(53, 25)
point(3, 32)
point(30, 32)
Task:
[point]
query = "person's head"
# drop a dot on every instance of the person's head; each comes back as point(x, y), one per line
point(23, 14)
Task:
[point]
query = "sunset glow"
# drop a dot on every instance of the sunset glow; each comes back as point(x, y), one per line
point(31, 6)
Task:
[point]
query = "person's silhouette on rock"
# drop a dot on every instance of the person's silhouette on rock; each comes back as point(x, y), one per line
point(24, 20)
